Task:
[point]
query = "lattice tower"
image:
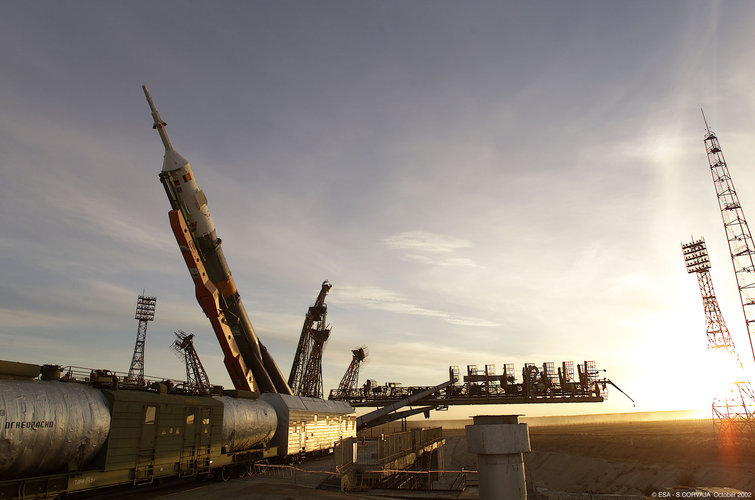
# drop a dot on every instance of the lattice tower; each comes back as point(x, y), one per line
point(741, 247)
point(145, 312)
point(733, 407)
point(351, 377)
point(305, 378)
point(196, 376)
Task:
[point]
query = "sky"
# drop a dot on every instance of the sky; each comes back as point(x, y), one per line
point(482, 182)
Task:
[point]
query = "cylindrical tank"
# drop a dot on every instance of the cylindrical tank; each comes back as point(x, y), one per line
point(46, 425)
point(247, 423)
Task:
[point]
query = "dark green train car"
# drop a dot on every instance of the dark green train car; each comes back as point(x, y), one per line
point(153, 435)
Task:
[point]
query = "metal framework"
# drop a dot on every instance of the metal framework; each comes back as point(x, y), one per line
point(306, 370)
point(741, 247)
point(733, 407)
point(197, 380)
point(348, 385)
point(145, 312)
point(484, 386)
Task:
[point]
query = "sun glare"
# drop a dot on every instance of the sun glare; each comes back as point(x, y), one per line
point(724, 370)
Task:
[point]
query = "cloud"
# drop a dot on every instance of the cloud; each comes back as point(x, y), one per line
point(430, 248)
point(385, 300)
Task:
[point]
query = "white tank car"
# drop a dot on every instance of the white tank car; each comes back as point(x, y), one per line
point(247, 423)
point(45, 425)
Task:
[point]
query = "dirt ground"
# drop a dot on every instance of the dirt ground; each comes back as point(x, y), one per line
point(626, 458)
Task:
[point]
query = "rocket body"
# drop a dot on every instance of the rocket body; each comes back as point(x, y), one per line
point(185, 195)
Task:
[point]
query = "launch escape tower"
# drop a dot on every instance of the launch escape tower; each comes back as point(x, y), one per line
point(350, 379)
point(738, 234)
point(196, 376)
point(306, 370)
point(733, 406)
point(145, 312)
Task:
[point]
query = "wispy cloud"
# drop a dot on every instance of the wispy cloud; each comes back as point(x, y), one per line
point(387, 300)
point(430, 248)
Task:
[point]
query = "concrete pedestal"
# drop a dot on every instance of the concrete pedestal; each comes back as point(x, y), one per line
point(499, 441)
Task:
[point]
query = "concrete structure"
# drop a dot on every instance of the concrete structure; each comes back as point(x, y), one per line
point(499, 441)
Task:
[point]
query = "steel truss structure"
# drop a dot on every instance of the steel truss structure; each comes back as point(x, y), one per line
point(484, 386)
point(733, 407)
point(350, 379)
point(305, 378)
point(741, 246)
point(197, 380)
point(145, 312)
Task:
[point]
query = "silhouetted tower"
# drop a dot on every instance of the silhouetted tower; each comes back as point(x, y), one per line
point(738, 234)
point(145, 312)
point(306, 370)
point(733, 406)
point(196, 377)
point(350, 379)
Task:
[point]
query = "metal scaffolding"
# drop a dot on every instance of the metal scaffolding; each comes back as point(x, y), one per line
point(351, 378)
point(305, 378)
point(485, 386)
point(197, 380)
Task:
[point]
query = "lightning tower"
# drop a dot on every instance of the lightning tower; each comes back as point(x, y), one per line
point(733, 406)
point(145, 312)
point(738, 234)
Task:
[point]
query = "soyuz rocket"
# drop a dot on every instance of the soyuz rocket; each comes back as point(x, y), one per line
point(248, 362)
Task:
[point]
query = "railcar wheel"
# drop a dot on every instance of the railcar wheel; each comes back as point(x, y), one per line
point(227, 472)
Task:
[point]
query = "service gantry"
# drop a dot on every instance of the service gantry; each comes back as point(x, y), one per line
point(145, 312)
point(351, 378)
point(305, 378)
point(485, 386)
point(733, 407)
point(197, 380)
point(741, 247)
point(478, 386)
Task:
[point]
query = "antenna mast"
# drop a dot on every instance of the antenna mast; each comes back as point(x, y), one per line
point(741, 246)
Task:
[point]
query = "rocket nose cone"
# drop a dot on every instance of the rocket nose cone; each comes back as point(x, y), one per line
point(173, 161)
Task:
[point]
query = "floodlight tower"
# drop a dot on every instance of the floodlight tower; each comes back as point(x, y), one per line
point(145, 312)
point(733, 406)
point(741, 246)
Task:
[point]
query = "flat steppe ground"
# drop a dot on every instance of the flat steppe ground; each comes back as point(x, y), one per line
point(628, 458)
